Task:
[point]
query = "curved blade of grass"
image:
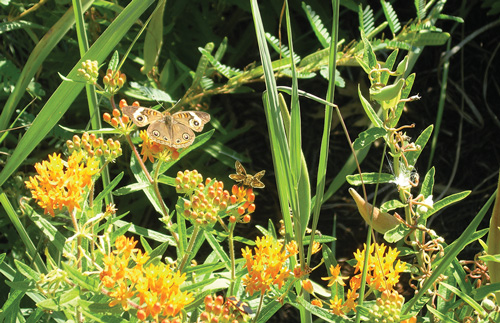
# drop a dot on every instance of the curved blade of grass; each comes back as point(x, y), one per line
point(67, 92)
point(38, 55)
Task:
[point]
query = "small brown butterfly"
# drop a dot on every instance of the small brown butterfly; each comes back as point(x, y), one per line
point(174, 130)
point(245, 179)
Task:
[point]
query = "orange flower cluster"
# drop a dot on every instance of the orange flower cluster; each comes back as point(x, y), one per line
point(267, 266)
point(216, 310)
point(156, 286)
point(92, 145)
point(206, 201)
point(57, 186)
point(383, 273)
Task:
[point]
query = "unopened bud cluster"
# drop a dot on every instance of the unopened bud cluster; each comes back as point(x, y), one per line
point(94, 146)
point(113, 81)
point(206, 202)
point(116, 120)
point(187, 182)
point(387, 308)
point(89, 71)
point(218, 311)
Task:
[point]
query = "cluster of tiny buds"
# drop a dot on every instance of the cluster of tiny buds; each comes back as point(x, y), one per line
point(89, 71)
point(115, 119)
point(216, 311)
point(204, 205)
point(186, 182)
point(113, 81)
point(387, 307)
point(141, 315)
point(95, 146)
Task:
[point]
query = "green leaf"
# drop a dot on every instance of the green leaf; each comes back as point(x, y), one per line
point(154, 38)
point(131, 189)
point(68, 299)
point(412, 156)
point(368, 54)
point(319, 30)
point(366, 21)
point(202, 66)
point(397, 233)
point(391, 16)
point(424, 38)
point(27, 271)
point(445, 202)
point(484, 290)
point(372, 115)
point(389, 64)
point(368, 136)
point(281, 49)
point(466, 298)
point(225, 70)
point(428, 184)
point(90, 283)
point(391, 205)
point(370, 178)
point(494, 258)
point(218, 249)
point(109, 188)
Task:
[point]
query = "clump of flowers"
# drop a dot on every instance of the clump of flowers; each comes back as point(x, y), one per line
point(266, 265)
point(207, 200)
point(157, 287)
point(91, 146)
point(216, 310)
point(89, 71)
point(383, 270)
point(57, 186)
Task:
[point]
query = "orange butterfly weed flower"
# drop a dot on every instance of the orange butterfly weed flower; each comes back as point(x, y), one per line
point(335, 276)
point(57, 186)
point(266, 265)
point(383, 270)
point(151, 150)
point(156, 286)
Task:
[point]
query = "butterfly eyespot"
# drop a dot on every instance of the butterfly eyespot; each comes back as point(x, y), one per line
point(165, 138)
point(185, 136)
point(140, 119)
point(156, 133)
point(196, 123)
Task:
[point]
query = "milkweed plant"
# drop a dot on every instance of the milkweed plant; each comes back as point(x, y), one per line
point(86, 264)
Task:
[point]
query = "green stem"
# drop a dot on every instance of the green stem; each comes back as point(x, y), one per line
point(190, 247)
point(231, 254)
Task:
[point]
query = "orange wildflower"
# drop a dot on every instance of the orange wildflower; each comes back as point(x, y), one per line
point(335, 277)
point(383, 273)
point(156, 286)
point(267, 266)
point(57, 186)
point(151, 150)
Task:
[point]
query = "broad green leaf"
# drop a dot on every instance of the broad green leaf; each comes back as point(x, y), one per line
point(397, 233)
point(445, 202)
point(368, 54)
point(391, 205)
point(218, 249)
point(424, 38)
point(389, 63)
point(412, 156)
point(372, 115)
point(494, 258)
point(442, 317)
point(369, 178)
point(428, 184)
point(27, 271)
point(404, 95)
point(367, 137)
point(130, 189)
point(154, 38)
point(484, 290)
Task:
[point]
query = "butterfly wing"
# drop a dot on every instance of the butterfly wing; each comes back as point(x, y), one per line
point(192, 119)
point(142, 116)
point(160, 131)
point(182, 135)
point(240, 169)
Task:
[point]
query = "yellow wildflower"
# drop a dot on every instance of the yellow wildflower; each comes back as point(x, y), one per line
point(57, 186)
point(335, 277)
point(267, 266)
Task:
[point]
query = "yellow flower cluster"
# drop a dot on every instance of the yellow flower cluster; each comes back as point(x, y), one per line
point(57, 186)
point(267, 266)
point(156, 286)
point(383, 273)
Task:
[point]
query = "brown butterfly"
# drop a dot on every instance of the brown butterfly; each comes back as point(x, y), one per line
point(174, 130)
point(245, 179)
